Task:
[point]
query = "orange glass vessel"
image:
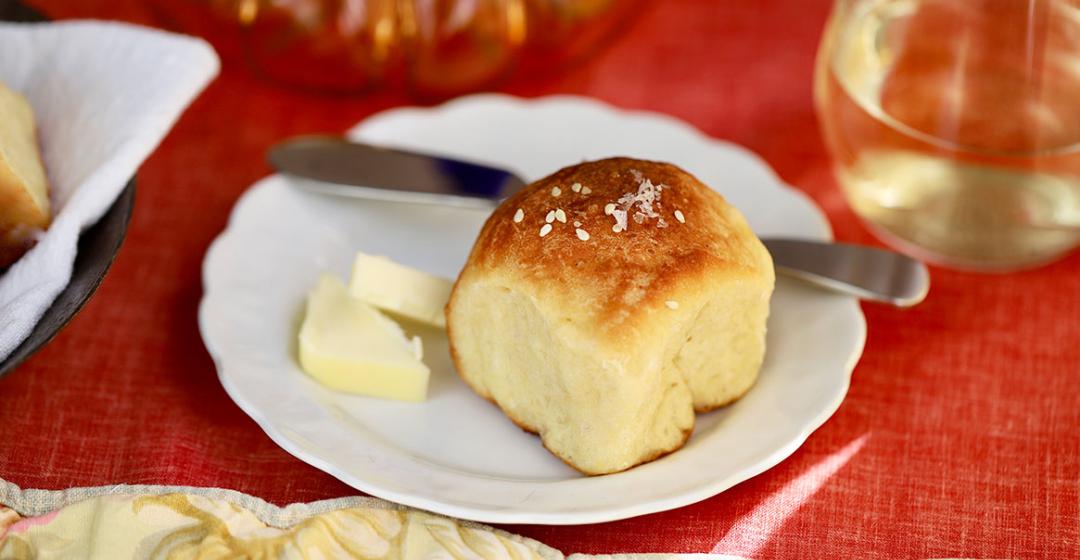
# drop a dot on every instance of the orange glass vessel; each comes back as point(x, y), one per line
point(434, 48)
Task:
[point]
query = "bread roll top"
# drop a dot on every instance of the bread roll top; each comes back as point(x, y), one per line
point(638, 236)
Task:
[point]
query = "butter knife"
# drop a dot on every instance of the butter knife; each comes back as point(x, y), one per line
point(335, 166)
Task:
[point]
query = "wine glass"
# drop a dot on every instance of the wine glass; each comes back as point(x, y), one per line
point(954, 125)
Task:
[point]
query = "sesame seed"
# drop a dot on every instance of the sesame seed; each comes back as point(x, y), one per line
point(560, 215)
point(576, 187)
point(679, 216)
point(577, 223)
point(672, 304)
point(582, 234)
point(609, 208)
point(550, 216)
point(545, 230)
point(556, 191)
point(616, 228)
point(585, 190)
point(519, 215)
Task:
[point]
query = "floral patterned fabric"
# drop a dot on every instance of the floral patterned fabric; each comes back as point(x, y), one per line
point(198, 523)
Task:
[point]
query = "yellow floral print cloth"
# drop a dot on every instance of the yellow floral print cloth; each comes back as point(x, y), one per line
point(205, 524)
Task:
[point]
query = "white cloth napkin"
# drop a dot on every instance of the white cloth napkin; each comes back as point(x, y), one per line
point(104, 95)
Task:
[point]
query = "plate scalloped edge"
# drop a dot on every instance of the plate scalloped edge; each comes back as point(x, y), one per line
point(297, 449)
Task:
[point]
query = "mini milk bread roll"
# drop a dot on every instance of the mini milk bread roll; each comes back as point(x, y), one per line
point(24, 196)
point(603, 305)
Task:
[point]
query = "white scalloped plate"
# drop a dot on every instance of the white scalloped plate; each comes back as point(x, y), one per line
point(457, 454)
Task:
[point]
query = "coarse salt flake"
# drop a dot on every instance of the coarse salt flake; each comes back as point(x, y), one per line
point(641, 202)
point(620, 218)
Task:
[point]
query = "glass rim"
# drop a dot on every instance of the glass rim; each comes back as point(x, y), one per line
point(828, 60)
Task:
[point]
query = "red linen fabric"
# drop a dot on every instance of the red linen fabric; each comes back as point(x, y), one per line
point(960, 435)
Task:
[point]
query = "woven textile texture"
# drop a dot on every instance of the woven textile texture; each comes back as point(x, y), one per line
point(960, 435)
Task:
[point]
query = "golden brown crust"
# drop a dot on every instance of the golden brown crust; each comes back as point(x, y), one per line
point(617, 290)
point(621, 270)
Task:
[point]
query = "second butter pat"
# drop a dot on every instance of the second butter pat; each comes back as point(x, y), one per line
point(399, 289)
point(348, 345)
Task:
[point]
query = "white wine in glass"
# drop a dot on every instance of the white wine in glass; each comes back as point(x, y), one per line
point(954, 125)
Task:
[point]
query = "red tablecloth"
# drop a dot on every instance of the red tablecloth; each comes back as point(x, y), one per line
point(960, 436)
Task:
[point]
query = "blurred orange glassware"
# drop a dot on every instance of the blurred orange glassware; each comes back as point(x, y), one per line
point(434, 48)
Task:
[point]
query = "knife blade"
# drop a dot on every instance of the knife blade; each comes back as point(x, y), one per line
point(333, 165)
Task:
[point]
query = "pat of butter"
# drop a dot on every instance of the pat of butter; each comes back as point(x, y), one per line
point(348, 345)
point(399, 289)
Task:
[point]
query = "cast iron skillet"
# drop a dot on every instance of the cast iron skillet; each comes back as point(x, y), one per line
point(97, 247)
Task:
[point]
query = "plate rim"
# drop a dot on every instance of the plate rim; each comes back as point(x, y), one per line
point(515, 516)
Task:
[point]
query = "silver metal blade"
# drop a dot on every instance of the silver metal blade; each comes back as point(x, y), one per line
point(865, 272)
point(333, 165)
